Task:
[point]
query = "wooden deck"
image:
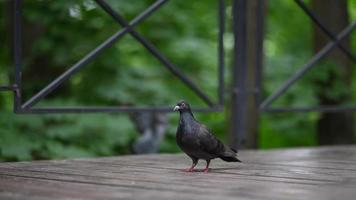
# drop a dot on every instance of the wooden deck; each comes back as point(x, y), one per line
point(305, 173)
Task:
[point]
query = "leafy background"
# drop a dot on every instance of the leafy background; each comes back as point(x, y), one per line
point(126, 74)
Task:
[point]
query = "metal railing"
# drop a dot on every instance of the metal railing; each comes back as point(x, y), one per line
point(240, 91)
point(335, 42)
point(128, 28)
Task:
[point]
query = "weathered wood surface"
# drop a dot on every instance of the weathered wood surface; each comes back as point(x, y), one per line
point(305, 173)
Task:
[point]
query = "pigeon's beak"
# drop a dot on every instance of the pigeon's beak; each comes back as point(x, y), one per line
point(176, 108)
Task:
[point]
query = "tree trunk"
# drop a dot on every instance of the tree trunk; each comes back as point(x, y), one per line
point(333, 128)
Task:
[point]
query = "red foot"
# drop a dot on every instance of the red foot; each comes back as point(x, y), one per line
point(206, 170)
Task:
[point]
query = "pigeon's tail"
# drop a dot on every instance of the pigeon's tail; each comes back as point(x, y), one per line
point(230, 159)
point(229, 154)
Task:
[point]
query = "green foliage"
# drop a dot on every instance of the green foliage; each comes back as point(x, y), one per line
point(26, 137)
point(287, 47)
point(288, 132)
point(59, 33)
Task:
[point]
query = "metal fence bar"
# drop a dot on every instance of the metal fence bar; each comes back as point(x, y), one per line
point(296, 76)
point(221, 52)
point(111, 109)
point(6, 88)
point(318, 22)
point(154, 51)
point(17, 54)
point(311, 109)
point(89, 57)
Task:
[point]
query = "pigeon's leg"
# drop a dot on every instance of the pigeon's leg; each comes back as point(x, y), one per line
point(195, 162)
point(206, 170)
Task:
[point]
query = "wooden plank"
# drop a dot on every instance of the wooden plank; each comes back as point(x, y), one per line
point(306, 173)
point(42, 187)
point(256, 171)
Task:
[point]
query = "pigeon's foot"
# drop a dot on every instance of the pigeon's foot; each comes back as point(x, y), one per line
point(206, 170)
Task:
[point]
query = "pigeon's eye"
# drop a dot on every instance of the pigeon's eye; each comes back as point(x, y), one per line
point(183, 104)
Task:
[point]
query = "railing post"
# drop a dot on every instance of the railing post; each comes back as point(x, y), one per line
point(248, 30)
point(238, 101)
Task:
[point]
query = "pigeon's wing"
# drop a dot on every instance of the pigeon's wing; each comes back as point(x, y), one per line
point(209, 143)
point(214, 147)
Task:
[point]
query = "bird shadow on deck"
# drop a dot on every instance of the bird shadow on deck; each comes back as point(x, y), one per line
point(222, 169)
point(211, 170)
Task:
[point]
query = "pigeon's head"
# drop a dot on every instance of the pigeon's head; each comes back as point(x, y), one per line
point(182, 106)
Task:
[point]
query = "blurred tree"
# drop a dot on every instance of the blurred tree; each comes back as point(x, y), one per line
point(333, 83)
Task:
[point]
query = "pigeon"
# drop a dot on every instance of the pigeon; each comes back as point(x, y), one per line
point(197, 141)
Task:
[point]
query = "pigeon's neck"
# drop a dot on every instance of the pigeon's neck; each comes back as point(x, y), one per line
point(187, 123)
point(186, 117)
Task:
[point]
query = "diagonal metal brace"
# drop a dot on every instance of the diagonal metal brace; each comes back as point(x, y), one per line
point(300, 73)
point(6, 88)
point(89, 57)
point(318, 22)
point(154, 51)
